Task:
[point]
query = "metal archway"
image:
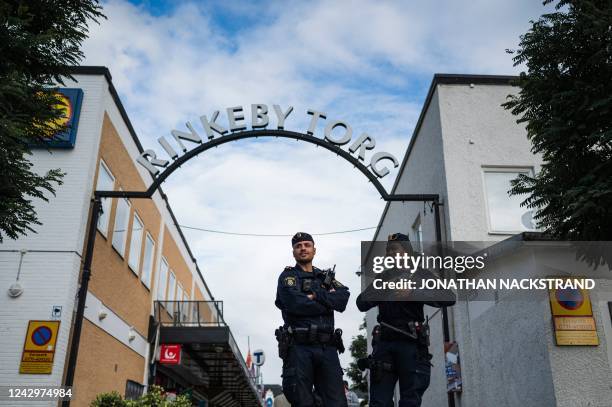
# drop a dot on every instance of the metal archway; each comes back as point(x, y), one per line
point(95, 208)
point(216, 142)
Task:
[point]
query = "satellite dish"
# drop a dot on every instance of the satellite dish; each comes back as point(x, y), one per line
point(527, 220)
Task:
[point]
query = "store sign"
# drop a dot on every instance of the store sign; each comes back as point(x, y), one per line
point(573, 320)
point(39, 347)
point(70, 109)
point(170, 354)
point(336, 132)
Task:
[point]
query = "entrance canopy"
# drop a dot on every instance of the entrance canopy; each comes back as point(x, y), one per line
point(211, 363)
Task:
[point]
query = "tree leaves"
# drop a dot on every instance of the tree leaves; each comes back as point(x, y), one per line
point(39, 42)
point(565, 102)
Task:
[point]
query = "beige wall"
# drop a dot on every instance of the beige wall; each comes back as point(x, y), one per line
point(104, 365)
point(112, 281)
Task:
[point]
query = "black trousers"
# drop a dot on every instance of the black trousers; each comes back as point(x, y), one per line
point(313, 365)
point(410, 366)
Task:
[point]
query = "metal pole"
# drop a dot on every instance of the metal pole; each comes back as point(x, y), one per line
point(82, 295)
point(445, 327)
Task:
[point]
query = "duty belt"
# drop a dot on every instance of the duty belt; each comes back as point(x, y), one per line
point(412, 330)
point(311, 336)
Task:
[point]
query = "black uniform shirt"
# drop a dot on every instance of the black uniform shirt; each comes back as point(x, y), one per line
point(399, 313)
point(298, 310)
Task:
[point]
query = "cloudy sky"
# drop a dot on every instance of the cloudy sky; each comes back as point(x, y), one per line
point(366, 62)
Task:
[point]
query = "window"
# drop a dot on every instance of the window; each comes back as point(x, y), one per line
point(105, 182)
point(162, 278)
point(505, 214)
point(179, 310)
point(133, 390)
point(171, 288)
point(417, 232)
point(179, 292)
point(147, 262)
point(135, 244)
point(122, 217)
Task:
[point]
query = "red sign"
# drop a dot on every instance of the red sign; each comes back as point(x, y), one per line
point(170, 354)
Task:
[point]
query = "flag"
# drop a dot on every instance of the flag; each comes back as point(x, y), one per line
point(249, 360)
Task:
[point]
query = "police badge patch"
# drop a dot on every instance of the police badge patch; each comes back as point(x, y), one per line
point(290, 281)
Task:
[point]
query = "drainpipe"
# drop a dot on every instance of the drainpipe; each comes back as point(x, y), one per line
point(82, 295)
point(445, 326)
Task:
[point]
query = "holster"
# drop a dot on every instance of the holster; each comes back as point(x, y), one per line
point(377, 367)
point(423, 334)
point(283, 337)
point(338, 340)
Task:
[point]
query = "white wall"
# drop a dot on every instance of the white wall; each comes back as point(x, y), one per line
point(508, 355)
point(477, 131)
point(51, 278)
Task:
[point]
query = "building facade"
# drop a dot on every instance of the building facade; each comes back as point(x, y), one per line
point(146, 288)
point(466, 148)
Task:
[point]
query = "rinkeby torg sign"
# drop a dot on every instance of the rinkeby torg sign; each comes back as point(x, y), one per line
point(337, 133)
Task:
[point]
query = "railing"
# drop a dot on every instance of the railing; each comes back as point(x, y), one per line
point(199, 314)
point(189, 313)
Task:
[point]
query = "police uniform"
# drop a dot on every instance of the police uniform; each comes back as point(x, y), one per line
point(404, 357)
point(312, 355)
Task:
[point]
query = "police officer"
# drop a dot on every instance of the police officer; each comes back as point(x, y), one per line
point(308, 343)
point(401, 352)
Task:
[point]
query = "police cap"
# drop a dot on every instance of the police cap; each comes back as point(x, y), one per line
point(301, 237)
point(401, 238)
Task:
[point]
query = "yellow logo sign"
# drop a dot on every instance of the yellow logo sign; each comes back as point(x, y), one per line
point(65, 110)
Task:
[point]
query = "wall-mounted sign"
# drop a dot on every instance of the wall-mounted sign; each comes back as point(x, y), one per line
point(573, 320)
point(56, 311)
point(39, 347)
point(70, 108)
point(170, 354)
point(336, 132)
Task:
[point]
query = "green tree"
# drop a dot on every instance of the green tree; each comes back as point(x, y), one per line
point(359, 350)
point(39, 41)
point(565, 101)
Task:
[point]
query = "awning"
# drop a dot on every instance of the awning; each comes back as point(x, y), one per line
point(211, 362)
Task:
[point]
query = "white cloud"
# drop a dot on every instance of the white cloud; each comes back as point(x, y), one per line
point(366, 62)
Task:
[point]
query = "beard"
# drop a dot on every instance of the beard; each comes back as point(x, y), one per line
point(304, 259)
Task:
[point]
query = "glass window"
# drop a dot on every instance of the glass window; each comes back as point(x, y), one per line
point(105, 182)
point(135, 244)
point(162, 279)
point(417, 232)
point(178, 310)
point(171, 288)
point(179, 292)
point(505, 211)
point(147, 262)
point(122, 217)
